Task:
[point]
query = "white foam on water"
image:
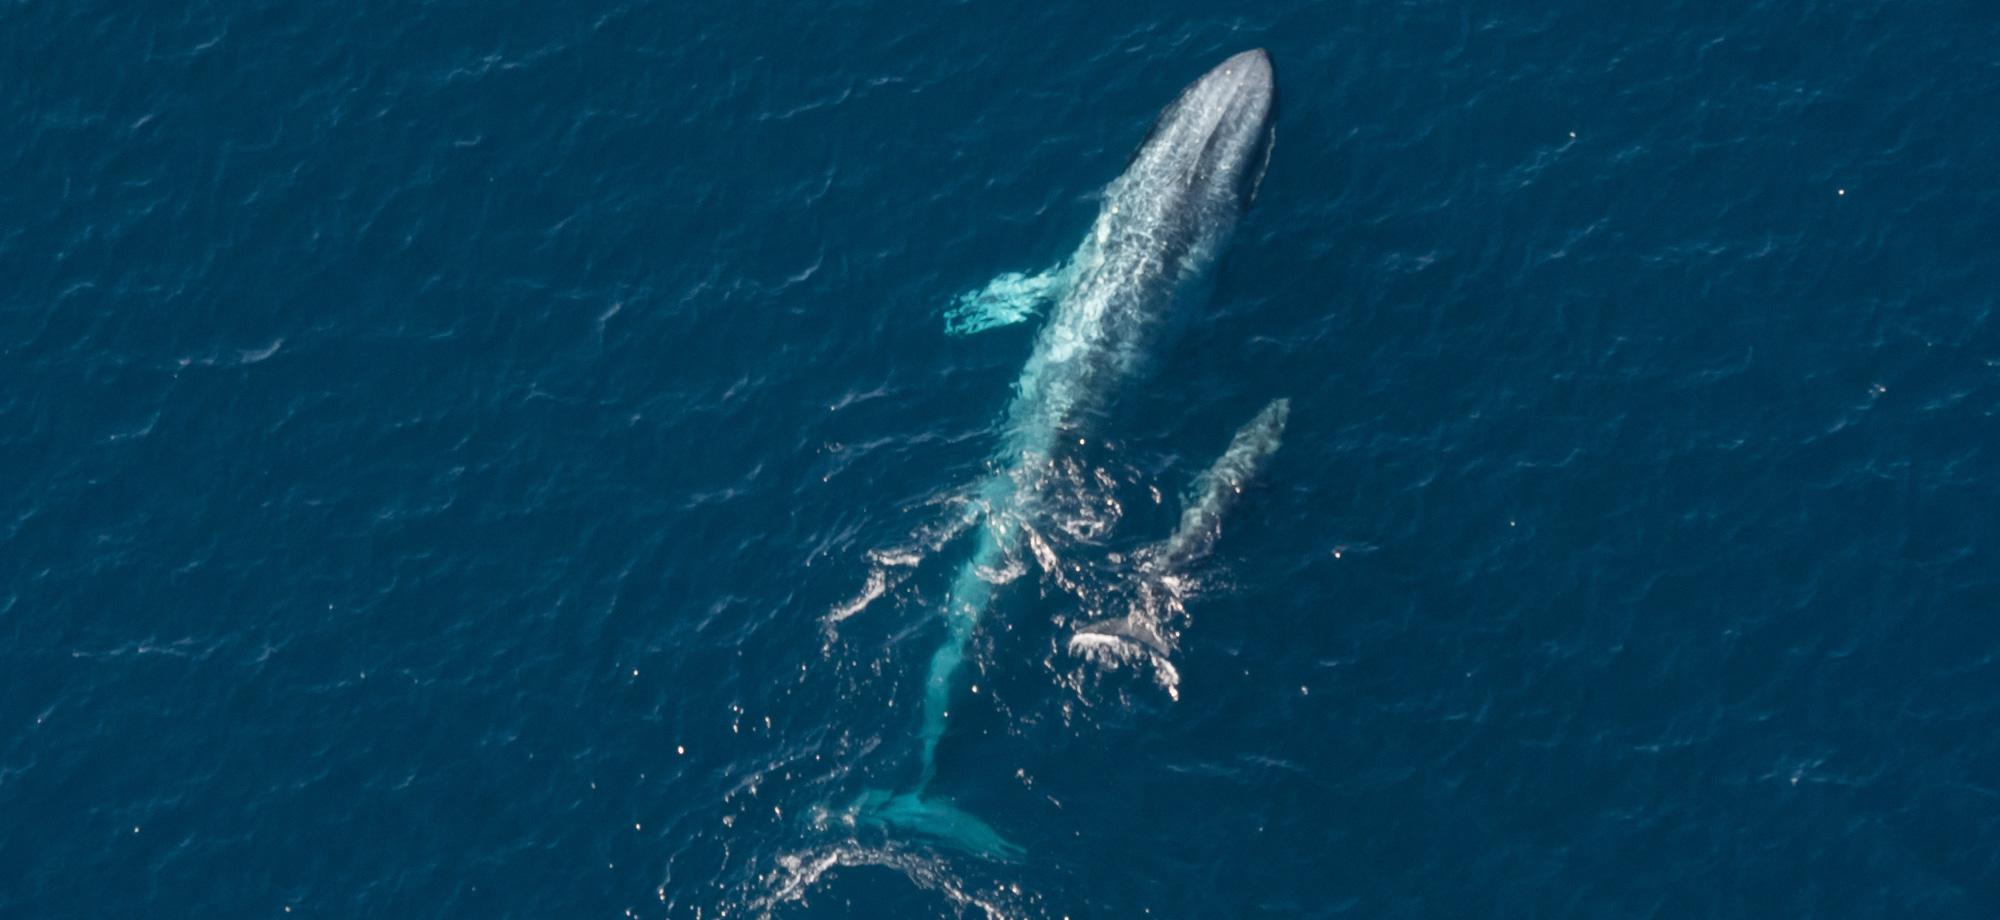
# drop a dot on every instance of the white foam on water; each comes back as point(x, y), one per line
point(796, 874)
point(1112, 651)
point(889, 566)
point(878, 584)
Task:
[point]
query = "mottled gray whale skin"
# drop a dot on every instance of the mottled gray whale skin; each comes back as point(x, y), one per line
point(1160, 227)
point(1217, 490)
point(1160, 569)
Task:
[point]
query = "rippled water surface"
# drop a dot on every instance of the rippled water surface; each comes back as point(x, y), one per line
point(462, 459)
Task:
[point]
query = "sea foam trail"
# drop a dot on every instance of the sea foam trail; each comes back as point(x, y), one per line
point(796, 874)
point(889, 567)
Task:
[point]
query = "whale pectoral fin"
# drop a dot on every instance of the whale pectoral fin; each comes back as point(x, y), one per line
point(1004, 301)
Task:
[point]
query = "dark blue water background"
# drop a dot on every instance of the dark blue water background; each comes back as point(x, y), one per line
point(434, 436)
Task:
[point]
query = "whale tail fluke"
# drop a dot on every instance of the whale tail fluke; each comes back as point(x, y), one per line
point(934, 818)
point(1006, 300)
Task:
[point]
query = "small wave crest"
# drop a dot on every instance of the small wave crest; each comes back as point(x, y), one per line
point(796, 875)
point(890, 566)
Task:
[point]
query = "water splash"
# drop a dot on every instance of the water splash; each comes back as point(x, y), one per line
point(794, 876)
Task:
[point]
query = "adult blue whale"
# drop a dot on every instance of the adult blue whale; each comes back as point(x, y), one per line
point(1160, 227)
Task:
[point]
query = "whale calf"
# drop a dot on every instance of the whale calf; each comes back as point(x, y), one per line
point(1160, 227)
point(1161, 568)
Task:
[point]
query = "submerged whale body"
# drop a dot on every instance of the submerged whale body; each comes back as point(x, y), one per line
point(1160, 228)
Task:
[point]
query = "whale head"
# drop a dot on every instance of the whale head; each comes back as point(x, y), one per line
point(1216, 138)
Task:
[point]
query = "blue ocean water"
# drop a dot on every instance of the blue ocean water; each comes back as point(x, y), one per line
point(447, 448)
